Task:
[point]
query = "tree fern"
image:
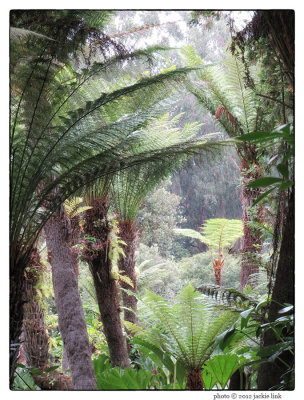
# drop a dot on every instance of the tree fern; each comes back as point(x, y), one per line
point(218, 234)
point(222, 92)
point(188, 329)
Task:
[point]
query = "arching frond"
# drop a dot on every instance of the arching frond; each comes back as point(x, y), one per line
point(188, 329)
point(220, 89)
point(61, 135)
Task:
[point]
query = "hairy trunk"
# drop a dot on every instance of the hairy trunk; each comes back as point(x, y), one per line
point(35, 339)
point(269, 374)
point(71, 319)
point(251, 241)
point(194, 380)
point(217, 269)
point(34, 332)
point(53, 380)
point(97, 228)
point(126, 265)
point(17, 284)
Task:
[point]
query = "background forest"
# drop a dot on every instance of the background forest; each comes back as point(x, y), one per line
point(151, 200)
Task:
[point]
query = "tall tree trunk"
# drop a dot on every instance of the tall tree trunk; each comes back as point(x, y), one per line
point(126, 265)
point(71, 318)
point(97, 228)
point(194, 380)
point(251, 241)
point(269, 374)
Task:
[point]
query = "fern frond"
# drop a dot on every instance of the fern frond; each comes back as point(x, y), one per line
point(221, 295)
point(188, 329)
point(73, 206)
point(133, 328)
point(221, 90)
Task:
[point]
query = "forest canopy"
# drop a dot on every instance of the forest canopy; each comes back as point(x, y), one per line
point(151, 200)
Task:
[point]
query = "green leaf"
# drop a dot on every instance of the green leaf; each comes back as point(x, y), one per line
point(224, 337)
point(286, 309)
point(52, 368)
point(209, 379)
point(245, 316)
point(283, 169)
point(274, 350)
point(264, 182)
point(20, 365)
point(36, 371)
point(259, 137)
point(127, 379)
point(221, 367)
point(286, 185)
point(101, 364)
point(260, 198)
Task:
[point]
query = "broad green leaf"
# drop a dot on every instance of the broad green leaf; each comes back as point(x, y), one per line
point(223, 338)
point(209, 379)
point(222, 367)
point(264, 182)
point(125, 379)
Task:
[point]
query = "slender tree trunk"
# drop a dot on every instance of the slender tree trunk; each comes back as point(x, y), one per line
point(251, 241)
point(194, 380)
point(269, 374)
point(71, 319)
point(126, 265)
point(97, 229)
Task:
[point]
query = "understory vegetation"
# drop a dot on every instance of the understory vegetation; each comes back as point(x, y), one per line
point(151, 200)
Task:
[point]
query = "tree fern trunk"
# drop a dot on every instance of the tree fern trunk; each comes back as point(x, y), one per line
point(17, 284)
point(126, 265)
point(251, 241)
point(217, 269)
point(71, 319)
point(194, 380)
point(97, 229)
point(34, 332)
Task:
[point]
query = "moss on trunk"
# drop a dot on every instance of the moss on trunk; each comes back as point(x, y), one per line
point(126, 265)
point(252, 240)
point(96, 253)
